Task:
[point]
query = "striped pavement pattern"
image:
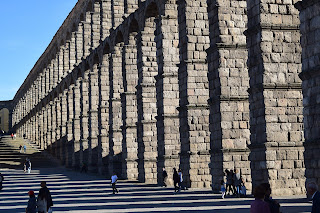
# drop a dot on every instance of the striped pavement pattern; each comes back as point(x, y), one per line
point(76, 192)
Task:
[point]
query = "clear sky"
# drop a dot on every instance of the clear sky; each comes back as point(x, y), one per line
point(27, 28)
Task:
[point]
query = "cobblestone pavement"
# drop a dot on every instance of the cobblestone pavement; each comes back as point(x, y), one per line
point(78, 192)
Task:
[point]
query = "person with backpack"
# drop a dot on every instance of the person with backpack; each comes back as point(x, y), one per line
point(44, 200)
point(164, 176)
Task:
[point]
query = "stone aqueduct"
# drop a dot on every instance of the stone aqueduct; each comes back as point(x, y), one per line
point(203, 85)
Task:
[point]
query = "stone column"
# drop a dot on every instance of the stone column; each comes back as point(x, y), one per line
point(116, 110)
point(228, 84)
point(60, 61)
point(310, 28)
point(94, 149)
point(57, 126)
point(55, 70)
point(73, 51)
point(167, 84)
point(106, 18)
point(66, 59)
point(104, 92)
point(87, 29)
point(49, 134)
point(79, 43)
point(64, 120)
point(118, 12)
point(76, 163)
point(194, 93)
point(45, 128)
point(129, 103)
point(147, 102)
point(96, 25)
point(84, 129)
point(69, 147)
point(275, 96)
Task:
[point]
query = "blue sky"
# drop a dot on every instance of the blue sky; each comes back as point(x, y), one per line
point(27, 28)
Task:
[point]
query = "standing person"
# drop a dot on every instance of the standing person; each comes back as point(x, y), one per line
point(312, 190)
point(181, 186)
point(175, 180)
point(12, 136)
point(32, 203)
point(44, 198)
point(164, 176)
point(259, 205)
point(24, 148)
point(223, 188)
point(114, 179)
point(20, 148)
point(27, 166)
point(234, 190)
point(1, 180)
point(237, 181)
point(273, 205)
point(229, 182)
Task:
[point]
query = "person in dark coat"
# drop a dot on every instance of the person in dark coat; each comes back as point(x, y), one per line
point(164, 176)
point(176, 180)
point(312, 190)
point(273, 204)
point(32, 203)
point(45, 194)
point(1, 180)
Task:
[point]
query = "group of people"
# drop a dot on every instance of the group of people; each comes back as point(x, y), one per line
point(41, 204)
point(234, 184)
point(178, 180)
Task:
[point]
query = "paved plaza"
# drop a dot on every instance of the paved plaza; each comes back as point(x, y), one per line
point(76, 192)
point(80, 192)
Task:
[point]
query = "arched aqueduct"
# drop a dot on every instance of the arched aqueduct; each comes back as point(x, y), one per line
point(203, 85)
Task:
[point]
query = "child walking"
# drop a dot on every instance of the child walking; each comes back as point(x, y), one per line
point(223, 189)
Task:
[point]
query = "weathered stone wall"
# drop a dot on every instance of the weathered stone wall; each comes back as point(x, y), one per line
point(135, 86)
point(310, 75)
point(275, 96)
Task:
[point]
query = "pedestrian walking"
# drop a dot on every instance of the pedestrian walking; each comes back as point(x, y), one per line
point(175, 180)
point(181, 185)
point(164, 176)
point(114, 179)
point(27, 166)
point(1, 180)
point(229, 189)
point(12, 136)
point(223, 188)
point(32, 203)
point(20, 148)
point(24, 148)
point(44, 200)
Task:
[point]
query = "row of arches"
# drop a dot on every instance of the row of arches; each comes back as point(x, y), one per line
point(167, 85)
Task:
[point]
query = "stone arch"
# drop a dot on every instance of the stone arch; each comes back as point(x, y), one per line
point(134, 26)
point(89, 7)
point(119, 37)
point(152, 10)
